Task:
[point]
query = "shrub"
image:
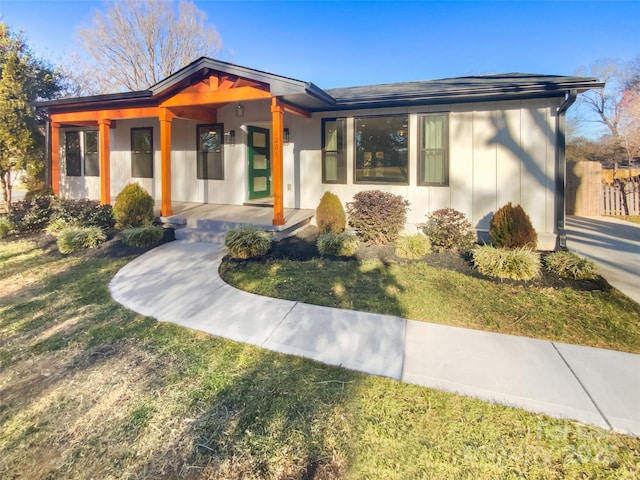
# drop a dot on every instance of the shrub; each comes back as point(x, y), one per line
point(412, 246)
point(330, 215)
point(57, 225)
point(516, 264)
point(511, 227)
point(377, 216)
point(449, 229)
point(247, 242)
point(31, 216)
point(344, 244)
point(133, 207)
point(83, 213)
point(569, 265)
point(72, 239)
point(5, 226)
point(142, 236)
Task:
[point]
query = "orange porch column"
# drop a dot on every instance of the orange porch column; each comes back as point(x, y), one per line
point(165, 161)
point(277, 118)
point(55, 158)
point(104, 125)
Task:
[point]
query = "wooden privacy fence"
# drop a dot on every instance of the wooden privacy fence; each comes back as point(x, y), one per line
point(621, 199)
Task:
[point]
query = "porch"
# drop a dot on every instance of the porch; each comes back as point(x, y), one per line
point(198, 222)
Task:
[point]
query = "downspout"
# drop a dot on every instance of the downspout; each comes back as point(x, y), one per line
point(47, 152)
point(561, 166)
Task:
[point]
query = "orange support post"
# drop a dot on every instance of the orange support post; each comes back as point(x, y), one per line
point(55, 158)
point(105, 160)
point(165, 161)
point(277, 118)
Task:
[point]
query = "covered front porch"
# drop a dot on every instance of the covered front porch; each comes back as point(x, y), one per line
point(211, 222)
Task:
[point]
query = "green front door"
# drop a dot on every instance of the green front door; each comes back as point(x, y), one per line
point(259, 163)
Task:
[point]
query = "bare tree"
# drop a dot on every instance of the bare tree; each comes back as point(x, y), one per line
point(135, 44)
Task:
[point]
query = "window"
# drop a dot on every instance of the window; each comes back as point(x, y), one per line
point(381, 149)
point(142, 152)
point(210, 156)
point(333, 155)
point(433, 168)
point(91, 160)
point(72, 154)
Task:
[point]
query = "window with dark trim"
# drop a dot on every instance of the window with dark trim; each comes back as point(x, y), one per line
point(142, 152)
point(381, 145)
point(210, 151)
point(90, 158)
point(334, 169)
point(433, 164)
point(72, 154)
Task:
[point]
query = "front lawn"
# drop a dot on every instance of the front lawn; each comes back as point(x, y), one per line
point(89, 389)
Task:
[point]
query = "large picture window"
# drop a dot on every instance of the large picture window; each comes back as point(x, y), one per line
point(72, 154)
point(433, 165)
point(381, 149)
point(210, 152)
point(142, 152)
point(333, 154)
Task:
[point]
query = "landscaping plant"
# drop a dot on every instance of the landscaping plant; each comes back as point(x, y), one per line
point(142, 236)
point(133, 207)
point(330, 216)
point(340, 244)
point(412, 247)
point(449, 229)
point(31, 216)
point(72, 239)
point(567, 264)
point(511, 227)
point(516, 264)
point(82, 213)
point(5, 226)
point(377, 216)
point(247, 242)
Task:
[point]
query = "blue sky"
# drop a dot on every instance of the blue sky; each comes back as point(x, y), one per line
point(336, 44)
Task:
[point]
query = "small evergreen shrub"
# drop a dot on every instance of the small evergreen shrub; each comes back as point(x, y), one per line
point(5, 226)
point(247, 242)
point(330, 216)
point(449, 229)
point(377, 216)
point(133, 207)
point(569, 265)
point(343, 244)
point(57, 225)
point(72, 239)
point(31, 216)
point(142, 236)
point(412, 247)
point(516, 264)
point(83, 213)
point(511, 227)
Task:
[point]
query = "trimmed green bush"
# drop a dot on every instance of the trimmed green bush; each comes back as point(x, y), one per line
point(5, 226)
point(377, 216)
point(247, 242)
point(133, 207)
point(449, 229)
point(516, 264)
point(330, 216)
point(569, 265)
point(142, 236)
point(31, 216)
point(511, 227)
point(340, 244)
point(412, 247)
point(82, 213)
point(57, 225)
point(72, 239)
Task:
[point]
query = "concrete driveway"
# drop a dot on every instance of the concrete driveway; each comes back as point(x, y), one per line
point(615, 247)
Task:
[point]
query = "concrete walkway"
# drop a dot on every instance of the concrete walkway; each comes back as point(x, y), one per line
point(614, 245)
point(178, 282)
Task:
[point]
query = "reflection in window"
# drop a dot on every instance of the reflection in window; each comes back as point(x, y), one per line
point(210, 159)
point(91, 160)
point(142, 152)
point(72, 154)
point(433, 165)
point(381, 149)
point(333, 155)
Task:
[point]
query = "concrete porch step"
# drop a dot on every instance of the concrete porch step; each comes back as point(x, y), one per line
point(197, 235)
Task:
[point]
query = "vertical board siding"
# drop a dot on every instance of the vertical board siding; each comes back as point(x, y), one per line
point(485, 188)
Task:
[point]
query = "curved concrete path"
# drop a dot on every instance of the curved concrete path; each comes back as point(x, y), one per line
point(614, 245)
point(179, 283)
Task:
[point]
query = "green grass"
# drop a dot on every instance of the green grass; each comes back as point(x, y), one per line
point(418, 291)
point(89, 389)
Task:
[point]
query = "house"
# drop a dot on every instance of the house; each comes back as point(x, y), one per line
point(220, 133)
